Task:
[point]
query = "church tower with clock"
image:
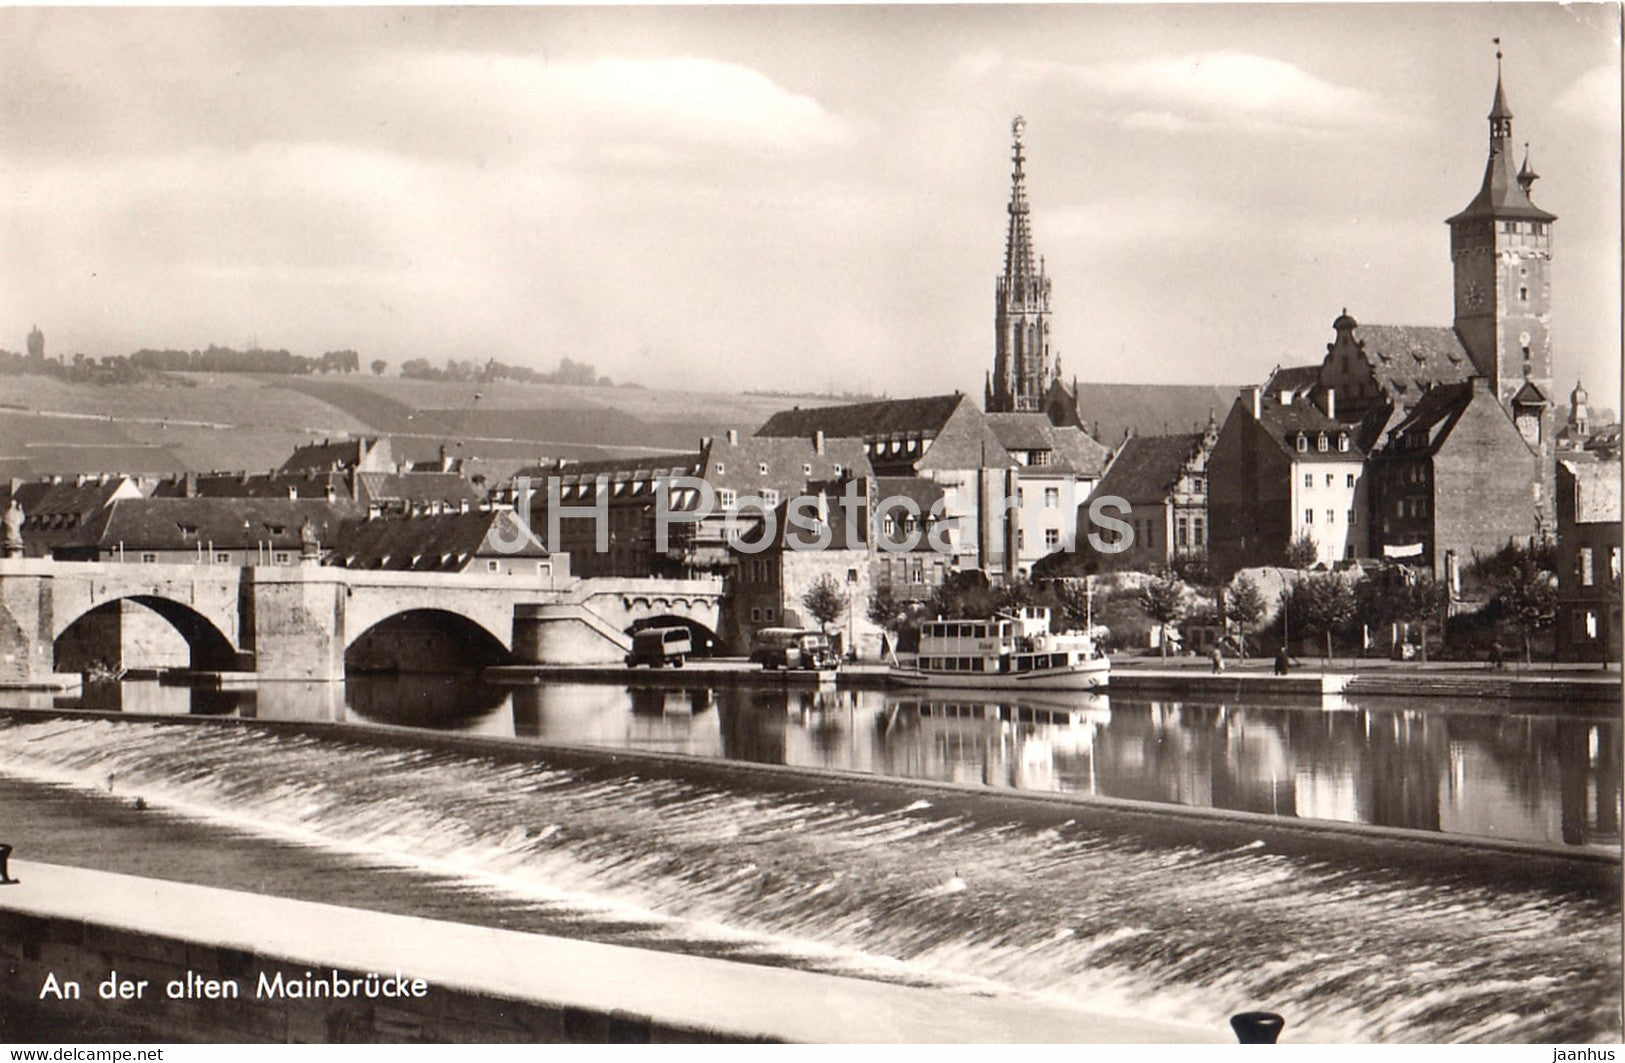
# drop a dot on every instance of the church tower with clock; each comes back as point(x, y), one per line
point(1501, 247)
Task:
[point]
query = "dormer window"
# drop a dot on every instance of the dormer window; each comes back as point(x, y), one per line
point(1342, 442)
point(1303, 443)
point(761, 467)
point(806, 468)
point(720, 469)
point(1321, 443)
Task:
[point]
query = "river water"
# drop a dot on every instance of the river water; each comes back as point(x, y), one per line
point(942, 892)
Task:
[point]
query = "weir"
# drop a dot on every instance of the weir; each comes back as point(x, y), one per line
point(1175, 919)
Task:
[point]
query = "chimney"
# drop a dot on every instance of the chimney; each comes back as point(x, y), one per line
point(372, 511)
point(818, 441)
point(1331, 403)
point(1255, 398)
point(733, 437)
point(189, 488)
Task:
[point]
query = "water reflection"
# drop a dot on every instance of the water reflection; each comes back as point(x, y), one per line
point(1451, 768)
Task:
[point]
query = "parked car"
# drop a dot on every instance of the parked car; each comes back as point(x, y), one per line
point(789, 647)
point(657, 646)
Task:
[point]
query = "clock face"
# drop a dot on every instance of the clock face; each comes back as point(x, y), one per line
point(1475, 294)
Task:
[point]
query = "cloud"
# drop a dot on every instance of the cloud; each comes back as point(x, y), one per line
point(634, 107)
point(1213, 89)
point(1594, 97)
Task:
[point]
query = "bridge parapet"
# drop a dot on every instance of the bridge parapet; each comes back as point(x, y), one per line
point(295, 622)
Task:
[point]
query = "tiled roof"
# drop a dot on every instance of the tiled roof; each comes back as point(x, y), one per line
point(1148, 467)
point(783, 464)
point(1107, 410)
point(866, 420)
point(312, 485)
point(1284, 424)
point(329, 454)
point(415, 488)
point(1070, 449)
point(41, 499)
point(193, 523)
point(1076, 451)
point(1408, 359)
point(683, 464)
point(1434, 414)
point(924, 491)
point(1596, 490)
point(443, 542)
point(1021, 431)
point(1297, 378)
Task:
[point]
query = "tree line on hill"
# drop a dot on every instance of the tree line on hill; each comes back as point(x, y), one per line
point(569, 371)
point(148, 364)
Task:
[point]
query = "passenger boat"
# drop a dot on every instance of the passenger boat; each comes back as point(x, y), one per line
point(1015, 651)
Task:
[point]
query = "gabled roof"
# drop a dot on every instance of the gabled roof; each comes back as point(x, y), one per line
point(1147, 468)
point(42, 499)
point(1070, 449)
point(1078, 452)
point(224, 523)
point(439, 542)
point(1408, 359)
point(330, 454)
point(1433, 416)
point(866, 420)
point(1021, 431)
point(1283, 424)
point(1596, 490)
point(1530, 395)
point(1297, 378)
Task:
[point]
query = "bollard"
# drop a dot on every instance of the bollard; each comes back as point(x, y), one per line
point(1257, 1027)
point(5, 875)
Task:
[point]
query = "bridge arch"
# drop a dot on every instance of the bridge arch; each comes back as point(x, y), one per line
point(111, 634)
point(427, 640)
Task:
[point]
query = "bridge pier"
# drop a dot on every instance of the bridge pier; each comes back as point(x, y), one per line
point(299, 628)
point(25, 624)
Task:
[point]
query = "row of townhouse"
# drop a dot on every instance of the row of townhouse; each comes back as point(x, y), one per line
point(338, 502)
point(991, 493)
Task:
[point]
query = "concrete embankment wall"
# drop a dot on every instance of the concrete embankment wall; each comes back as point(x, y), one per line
point(108, 933)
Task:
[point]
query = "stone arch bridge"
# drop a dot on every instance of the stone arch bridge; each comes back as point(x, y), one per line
point(306, 621)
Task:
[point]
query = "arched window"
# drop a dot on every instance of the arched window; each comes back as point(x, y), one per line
point(1303, 443)
point(1343, 442)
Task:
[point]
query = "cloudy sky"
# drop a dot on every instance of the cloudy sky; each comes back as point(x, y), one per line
point(776, 197)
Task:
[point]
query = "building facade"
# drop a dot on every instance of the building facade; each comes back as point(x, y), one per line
point(1588, 559)
point(1162, 482)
